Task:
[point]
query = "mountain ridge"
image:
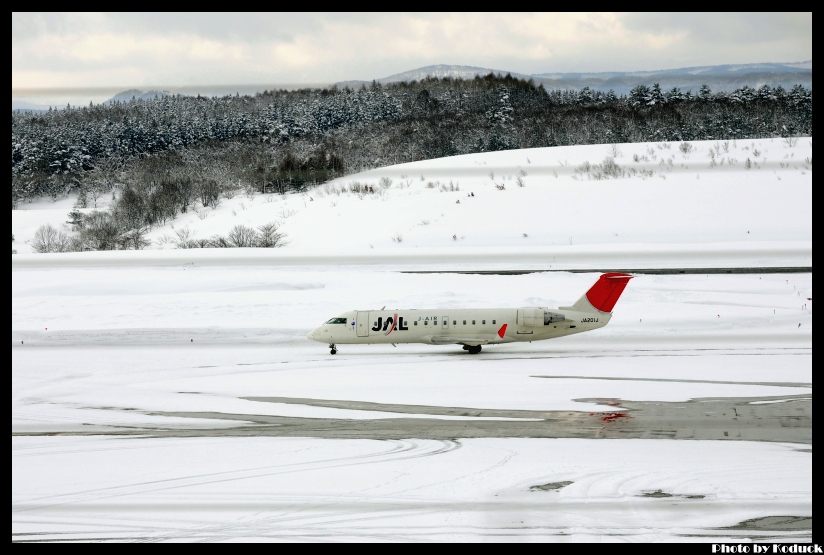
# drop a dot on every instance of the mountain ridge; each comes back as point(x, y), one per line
point(725, 77)
point(137, 94)
point(720, 78)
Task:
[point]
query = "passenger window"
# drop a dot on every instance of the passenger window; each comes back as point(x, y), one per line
point(454, 322)
point(473, 322)
point(483, 322)
point(425, 322)
point(464, 322)
point(493, 322)
point(416, 322)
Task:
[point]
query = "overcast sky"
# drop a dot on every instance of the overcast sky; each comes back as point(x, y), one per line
point(147, 49)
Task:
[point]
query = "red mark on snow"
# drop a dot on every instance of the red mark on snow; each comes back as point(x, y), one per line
point(608, 417)
point(502, 331)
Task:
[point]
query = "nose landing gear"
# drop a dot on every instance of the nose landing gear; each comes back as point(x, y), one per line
point(332, 349)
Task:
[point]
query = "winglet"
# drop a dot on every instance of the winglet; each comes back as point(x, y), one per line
point(502, 331)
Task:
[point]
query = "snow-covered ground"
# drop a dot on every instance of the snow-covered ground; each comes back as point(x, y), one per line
point(170, 372)
point(673, 198)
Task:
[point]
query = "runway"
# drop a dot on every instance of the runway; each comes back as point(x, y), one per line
point(776, 418)
point(180, 415)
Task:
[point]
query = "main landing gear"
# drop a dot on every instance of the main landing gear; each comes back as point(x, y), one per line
point(332, 349)
point(473, 349)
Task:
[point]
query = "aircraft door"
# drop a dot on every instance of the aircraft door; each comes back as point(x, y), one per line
point(445, 324)
point(363, 324)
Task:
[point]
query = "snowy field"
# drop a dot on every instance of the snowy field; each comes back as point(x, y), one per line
point(169, 395)
point(732, 192)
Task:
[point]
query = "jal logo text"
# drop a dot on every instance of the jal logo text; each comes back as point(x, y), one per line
point(389, 325)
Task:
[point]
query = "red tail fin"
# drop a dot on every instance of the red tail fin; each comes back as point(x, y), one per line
point(604, 294)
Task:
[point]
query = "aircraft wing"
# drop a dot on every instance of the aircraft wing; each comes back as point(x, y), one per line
point(464, 340)
point(454, 339)
point(477, 339)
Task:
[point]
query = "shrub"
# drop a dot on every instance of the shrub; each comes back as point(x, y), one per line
point(610, 168)
point(242, 236)
point(269, 237)
point(100, 232)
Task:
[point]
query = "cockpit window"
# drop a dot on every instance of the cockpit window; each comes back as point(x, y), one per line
point(337, 321)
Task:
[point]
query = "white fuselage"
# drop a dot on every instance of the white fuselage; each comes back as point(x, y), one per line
point(476, 326)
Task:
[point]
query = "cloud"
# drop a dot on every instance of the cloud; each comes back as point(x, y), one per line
point(167, 49)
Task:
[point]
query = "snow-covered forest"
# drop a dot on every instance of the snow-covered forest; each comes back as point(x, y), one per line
point(159, 157)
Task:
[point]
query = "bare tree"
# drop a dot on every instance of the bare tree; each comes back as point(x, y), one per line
point(45, 239)
point(209, 192)
point(48, 239)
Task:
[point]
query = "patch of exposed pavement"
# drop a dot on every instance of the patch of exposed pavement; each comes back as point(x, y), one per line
point(774, 524)
point(670, 380)
point(552, 486)
point(779, 419)
point(657, 494)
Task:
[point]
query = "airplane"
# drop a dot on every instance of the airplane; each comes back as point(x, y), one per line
point(474, 327)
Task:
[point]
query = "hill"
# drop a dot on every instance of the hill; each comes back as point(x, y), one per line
point(750, 197)
point(724, 78)
point(137, 94)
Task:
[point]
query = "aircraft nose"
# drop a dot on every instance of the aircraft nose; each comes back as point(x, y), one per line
point(311, 334)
